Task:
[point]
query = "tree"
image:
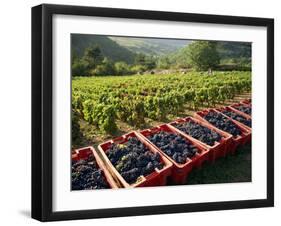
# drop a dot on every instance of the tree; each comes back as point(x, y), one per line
point(148, 62)
point(180, 59)
point(74, 56)
point(93, 56)
point(203, 55)
point(137, 69)
point(121, 68)
point(78, 65)
point(79, 68)
point(164, 62)
point(105, 68)
point(140, 59)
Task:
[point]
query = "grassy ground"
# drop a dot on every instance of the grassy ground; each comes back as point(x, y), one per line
point(232, 168)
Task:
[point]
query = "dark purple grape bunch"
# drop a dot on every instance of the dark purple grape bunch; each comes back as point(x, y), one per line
point(237, 117)
point(245, 109)
point(175, 146)
point(133, 159)
point(223, 123)
point(86, 175)
point(199, 132)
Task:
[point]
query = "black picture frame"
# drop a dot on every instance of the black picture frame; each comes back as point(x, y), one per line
point(42, 111)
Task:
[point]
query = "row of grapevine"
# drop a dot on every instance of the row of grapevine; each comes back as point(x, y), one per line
point(103, 100)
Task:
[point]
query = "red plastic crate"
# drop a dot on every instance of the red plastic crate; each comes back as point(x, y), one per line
point(240, 112)
point(179, 171)
point(156, 178)
point(247, 101)
point(236, 141)
point(218, 149)
point(247, 131)
point(84, 153)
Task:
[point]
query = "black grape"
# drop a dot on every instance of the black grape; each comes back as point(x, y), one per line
point(245, 109)
point(86, 175)
point(237, 117)
point(223, 123)
point(199, 132)
point(175, 146)
point(133, 159)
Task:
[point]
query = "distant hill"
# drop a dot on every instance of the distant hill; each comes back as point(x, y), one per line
point(109, 48)
point(150, 46)
point(125, 49)
point(228, 50)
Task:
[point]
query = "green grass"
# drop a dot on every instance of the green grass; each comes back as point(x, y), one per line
point(232, 168)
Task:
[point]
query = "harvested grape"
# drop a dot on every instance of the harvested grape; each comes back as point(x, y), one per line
point(223, 123)
point(175, 146)
point(86, 175)
point(133, 159)
point(245, 109)
point(237, 117)
point(199, 132)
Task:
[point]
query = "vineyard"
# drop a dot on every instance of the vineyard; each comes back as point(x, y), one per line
point(142, 118)
point(102, 101)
